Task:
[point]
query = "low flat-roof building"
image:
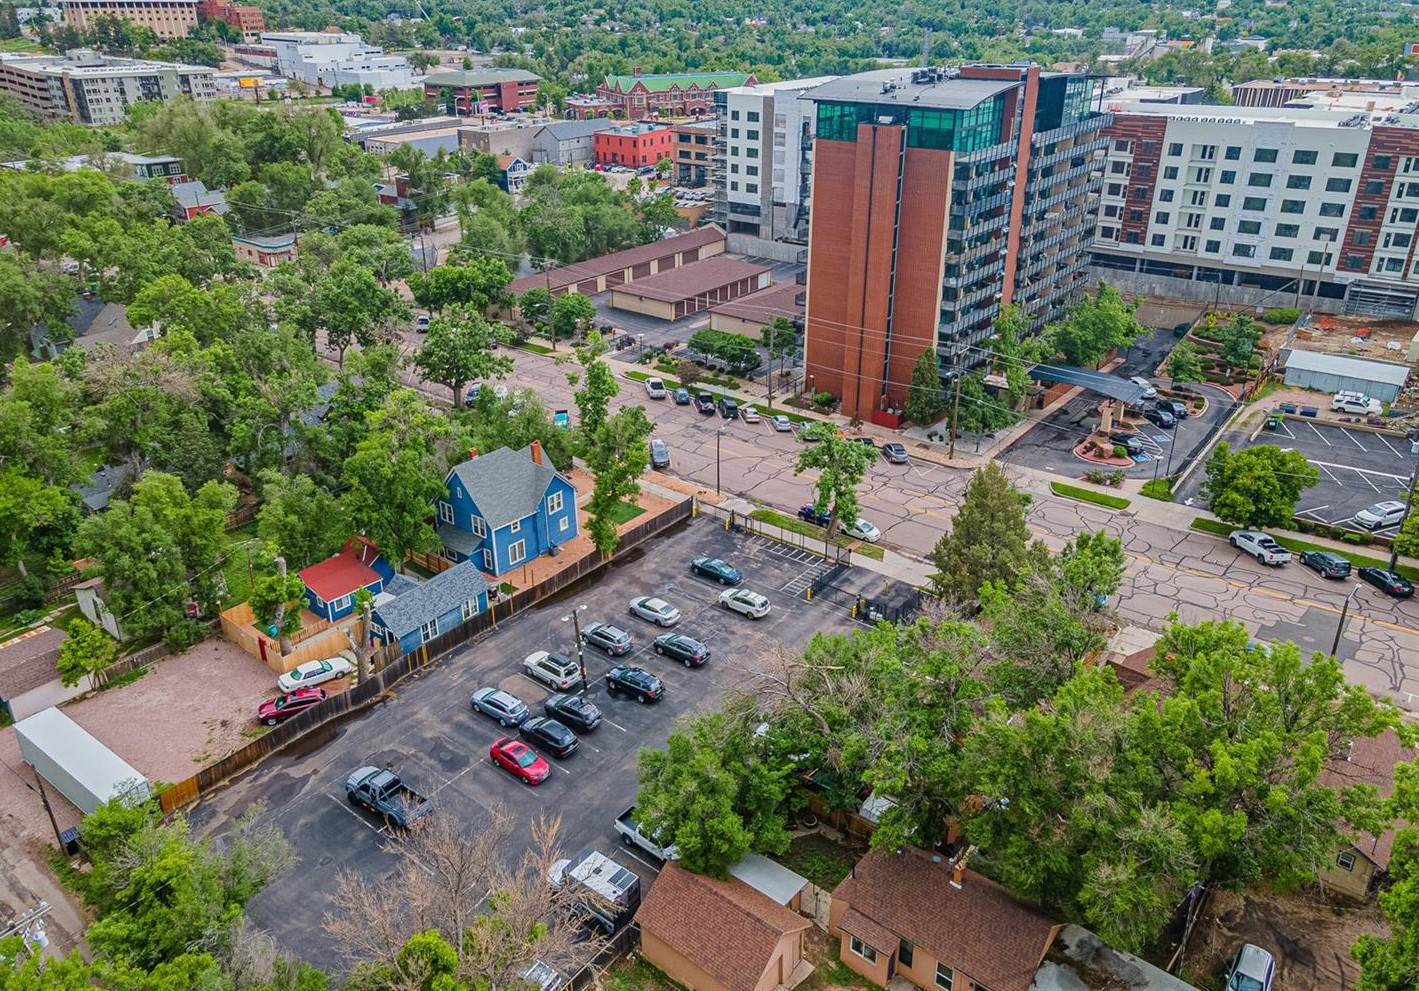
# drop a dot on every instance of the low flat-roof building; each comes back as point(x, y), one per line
point(748, 314)
point(1382, 380)
point(481, 91)
point(635, 145)
point(597, 275)
point(691, 288)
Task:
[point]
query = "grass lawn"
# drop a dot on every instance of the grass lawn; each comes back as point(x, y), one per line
point(625, 512)
point(830, 973)
point(1088, 495)
point(638, 976)
point(534, 348)
point(1297, 545)
point(819, 859)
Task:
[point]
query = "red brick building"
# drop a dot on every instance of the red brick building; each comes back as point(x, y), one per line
point(634, 144)
point(248, 20)
point(679, 94)
point(472, 92)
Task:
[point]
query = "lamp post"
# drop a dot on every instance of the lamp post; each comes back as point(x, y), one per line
point(1344, 611)
point(718, 434)
point(576, 632)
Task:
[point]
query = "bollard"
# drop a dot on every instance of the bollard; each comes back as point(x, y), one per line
point(808, 593)
point(854, 610)
point(886, 585)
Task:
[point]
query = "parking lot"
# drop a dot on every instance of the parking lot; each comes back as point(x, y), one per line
point(1358, 468)
point(429, 735)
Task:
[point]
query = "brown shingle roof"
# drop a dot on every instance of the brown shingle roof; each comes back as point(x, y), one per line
point(979, 928)
point(564, 276)
point(775, 301)
point(28, 660)
point(725, 928)
point(1371, 762)
point(689, 281)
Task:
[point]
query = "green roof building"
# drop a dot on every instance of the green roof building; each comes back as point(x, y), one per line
point(676, 94)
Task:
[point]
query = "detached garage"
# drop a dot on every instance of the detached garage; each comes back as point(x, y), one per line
point(683, 291)
point(1381, 380)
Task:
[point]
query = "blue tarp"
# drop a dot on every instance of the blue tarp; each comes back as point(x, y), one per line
point(1112, 386)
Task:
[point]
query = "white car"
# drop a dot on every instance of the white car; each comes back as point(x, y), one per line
point(1355, 402)
point(781, 423)
point(1260, 546)
point(556, 671)
point(1149, 392)
point(748, 414)
point(863, 530)
point(655, 389)
point(741, 600)
point(1381, 514)
point(314, 673)
point(654, 610)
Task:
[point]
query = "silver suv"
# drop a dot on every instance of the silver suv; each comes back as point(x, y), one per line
point(1380, 515)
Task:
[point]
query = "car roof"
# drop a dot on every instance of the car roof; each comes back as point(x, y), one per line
point(1253, 960)
point(506, 698)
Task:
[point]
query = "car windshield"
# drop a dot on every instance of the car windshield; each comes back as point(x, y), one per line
point(1245, 982)
point(525, 758)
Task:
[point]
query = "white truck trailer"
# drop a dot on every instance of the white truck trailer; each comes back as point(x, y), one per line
point(80, 767)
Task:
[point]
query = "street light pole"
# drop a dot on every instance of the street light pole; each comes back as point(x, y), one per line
point(1344, 611)
point(580, 653)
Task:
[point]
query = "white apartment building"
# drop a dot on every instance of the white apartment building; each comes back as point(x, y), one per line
point(1291, 202)
point(763, 159)
point(88, 88)
point(328, 58)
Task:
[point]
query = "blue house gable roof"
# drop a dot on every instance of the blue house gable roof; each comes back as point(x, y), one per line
point(432, 598)
point(505, 485)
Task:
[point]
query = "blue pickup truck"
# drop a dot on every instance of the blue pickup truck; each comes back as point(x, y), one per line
point(380, 790)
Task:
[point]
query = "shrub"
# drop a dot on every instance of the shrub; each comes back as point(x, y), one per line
point(184, 633)
point(824, 399)
point(1096, 476)
point(1359, 539)
point(1158, 488)
point(1115, 478)
point(1120, 451)
point(1281, 314)
point(30, 592)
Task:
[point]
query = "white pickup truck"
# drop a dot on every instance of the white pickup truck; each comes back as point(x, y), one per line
point(1260, 546)
point(631, 835)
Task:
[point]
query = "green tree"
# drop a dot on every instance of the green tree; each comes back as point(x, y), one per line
point(378, 248)
point(1238, 337)
point(535, 305)
point(926, 400)
point(1184, 365)
point(988, 540)
point(479, 285)
point(715, 792)
point(617, 454)
point(571, 313)
point(841, 465)
point(88, 651)
point(30, 514)
point(1095, 326)
point(460, 349)
point(303, 521)
point(273, 593)
point(598, 387)
point(351, 306)
point(1257, 486)
point(735, 350)
point(515, 421)
point(1391, 963)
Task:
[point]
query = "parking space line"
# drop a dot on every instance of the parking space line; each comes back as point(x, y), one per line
point(1392, 448)
point(1287, 429)
point(626, 849)
point(1319, 434)
point(1327, 472)
point(553, 763)
point(607, 722)
point(1355, 439)
point(377, 830)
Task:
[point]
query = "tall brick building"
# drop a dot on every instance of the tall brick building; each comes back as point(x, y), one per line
point(939, 196)
point(248, 20)
point(167, 18)
point(478, 91)
point(677, 94)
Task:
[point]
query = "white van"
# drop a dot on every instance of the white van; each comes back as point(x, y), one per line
point(1355, 402)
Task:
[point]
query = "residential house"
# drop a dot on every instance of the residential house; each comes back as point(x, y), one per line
point(194, 199)
point(712, 935)
point(513, 172)
point(909, 913)
point(433, 606)
point(504, 508)
point(1078, 960)
point(93, 322)
point(89, 597)
point(330, 585)
point(100, 487)
point(1360, 863)
point(28, 663)
point(265, 252)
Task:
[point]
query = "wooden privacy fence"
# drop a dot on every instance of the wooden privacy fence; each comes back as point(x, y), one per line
point(389, 666)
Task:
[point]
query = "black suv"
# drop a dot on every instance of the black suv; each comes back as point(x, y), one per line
point(573, 710)
point(729, 409)
point(635, 682)
point(549, 734)
point(687, 650)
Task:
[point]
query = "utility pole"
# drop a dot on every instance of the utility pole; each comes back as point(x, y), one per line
point(955, 399)
point(362, 649)
point(279, 618)
point(1340, 627)
point(580, 650)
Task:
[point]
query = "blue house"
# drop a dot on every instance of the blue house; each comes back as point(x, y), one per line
point(513, 173)
point(330, 585)
point(505, 508)
point(419, 613)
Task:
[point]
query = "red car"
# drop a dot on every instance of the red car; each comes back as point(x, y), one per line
point(273, 711)
point(520, 760)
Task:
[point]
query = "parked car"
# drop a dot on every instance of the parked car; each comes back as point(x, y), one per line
point(781, 423)
point(741, 600)
point(659, 454)
point(573, 710)
point(704, 402)
point(1355, 402)
point(1160, 417)
point(1381, 514)
point(866, 441)
point(1326, 563)
point(1260, 546)
point(519, 760)
point(1387, 582)
point(687, 650)
point(720, 571)
point(603, 636)
point(381, 791)
point(476, 389)
point(1252, 969)
point(682, 397)
point(548, 734)
point(635, 682)
point(655, 389)
point(654, 610)
point(749, 415)
point(1129, 442)
point(728, 408)
point(283, 707)
point(1174, 406)
point(313, 673)
point(505, 707)
point(895, 454)
point(421, 323)
point(863, 530)
point(557, 671)
point(1149, 390)
point(809, 513)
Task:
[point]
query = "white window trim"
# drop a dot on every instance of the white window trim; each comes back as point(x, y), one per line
point(1345, 860)
point(950, 977)
point(429, 630)
point(515, 526)
point(339, 603)
point(445, 511)
point(477, 526)
point(517, 552)
point(470, 609)
point(555, 502)
point(564, 524)
point(861, 949)
point(488, 558)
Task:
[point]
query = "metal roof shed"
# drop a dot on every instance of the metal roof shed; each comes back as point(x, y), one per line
point(770, 879)
point(1344, 373)
point(83, 769)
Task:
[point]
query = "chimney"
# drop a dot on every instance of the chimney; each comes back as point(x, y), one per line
point(636, 71)
point(472, 453)
point(958, 871)
point(535, 449)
